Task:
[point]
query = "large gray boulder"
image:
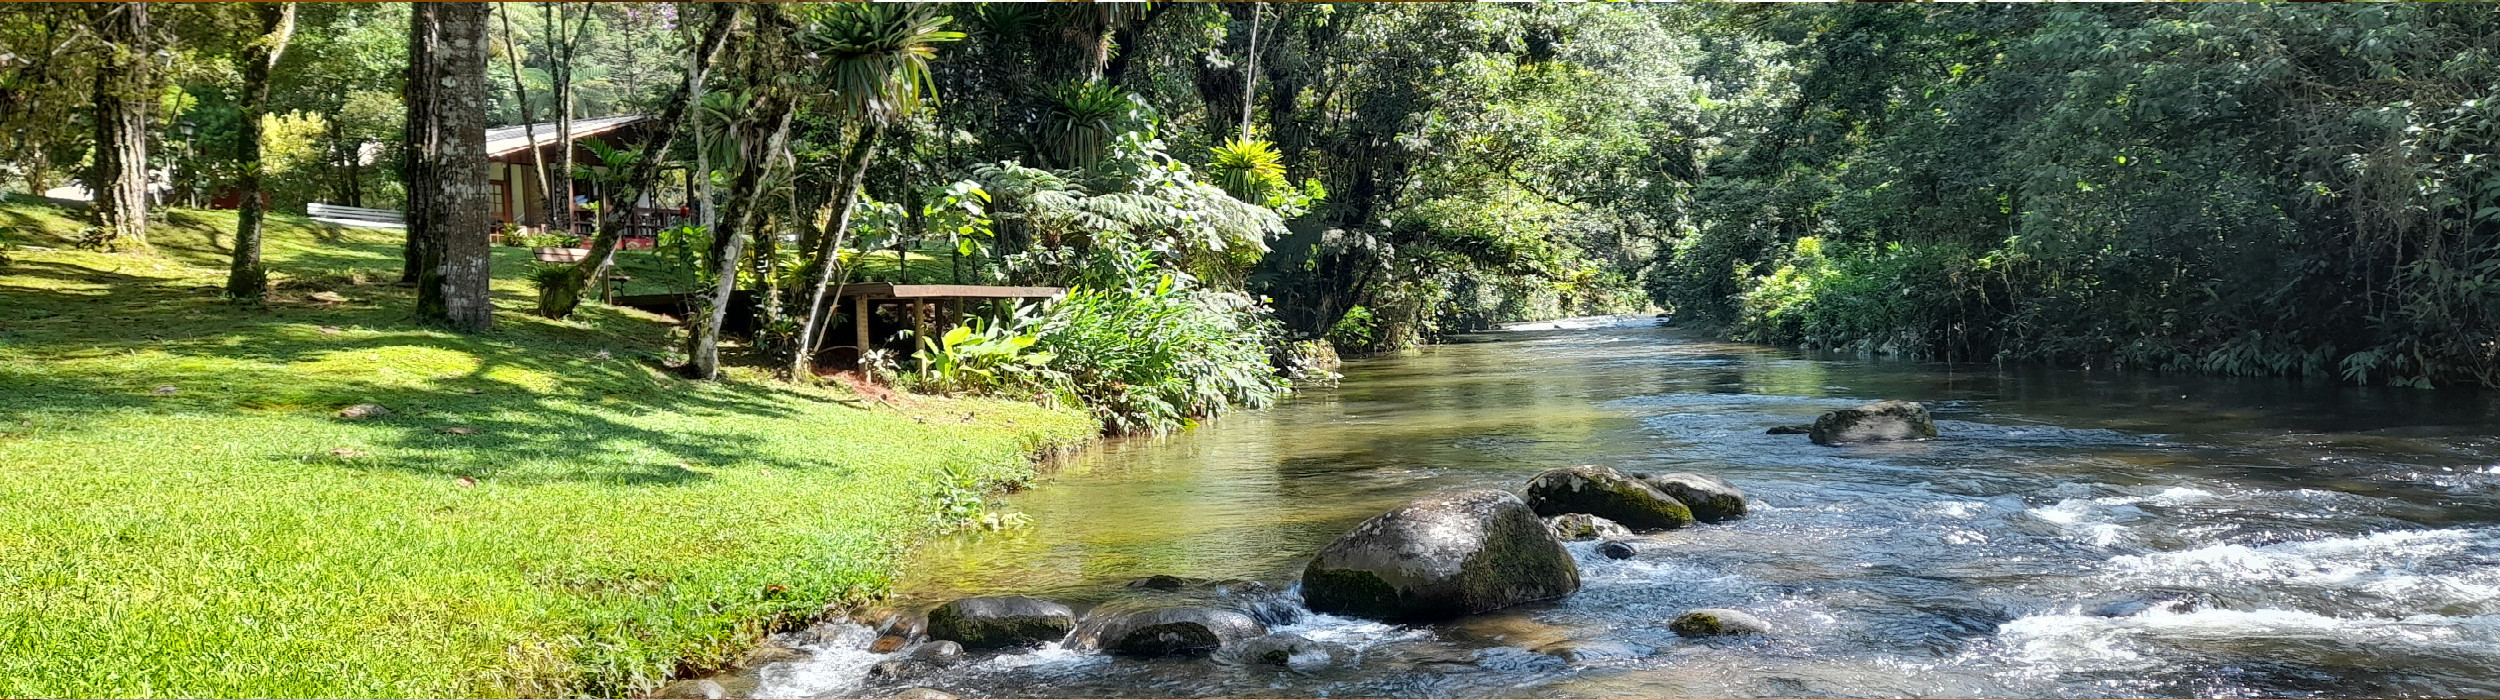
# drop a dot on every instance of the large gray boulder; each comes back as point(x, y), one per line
point(996, 622)
point(1444, 555)
point(1606, 493)
point(1875, 422)
point(1167, 631)
point(1711, 499)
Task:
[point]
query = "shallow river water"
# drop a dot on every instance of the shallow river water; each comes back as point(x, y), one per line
point(2071, 533)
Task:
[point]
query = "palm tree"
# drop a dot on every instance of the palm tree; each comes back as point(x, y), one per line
point(876, 69)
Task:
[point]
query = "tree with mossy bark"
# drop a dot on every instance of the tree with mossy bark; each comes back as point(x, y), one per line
point(247, 279)
point(447, 197)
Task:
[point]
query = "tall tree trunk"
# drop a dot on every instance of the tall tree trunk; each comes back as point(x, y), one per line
point(246, 278)
point(564, 292)
point(448, 204)
point(729, 246)
point(521, 99)
point(803, 356)
point(123, 89)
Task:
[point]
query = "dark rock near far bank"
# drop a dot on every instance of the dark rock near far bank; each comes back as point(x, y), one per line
point(1606, 493)
point(1805, 429)
point(1444, 555)
point(1875, 422)
point(1717, 622)
point(996, 622)
point(1159, 582)
point(1711, 499)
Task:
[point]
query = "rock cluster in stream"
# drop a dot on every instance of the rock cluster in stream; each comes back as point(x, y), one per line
point(1442, 556)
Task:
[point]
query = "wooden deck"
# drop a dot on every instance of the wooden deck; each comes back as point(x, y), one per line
point(881, 290)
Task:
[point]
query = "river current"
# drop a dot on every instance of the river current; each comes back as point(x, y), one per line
point(2069, 534)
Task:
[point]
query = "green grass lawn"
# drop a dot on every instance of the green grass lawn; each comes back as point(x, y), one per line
point(544, 512)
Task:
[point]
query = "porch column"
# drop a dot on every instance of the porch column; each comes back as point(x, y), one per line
point(859, 324)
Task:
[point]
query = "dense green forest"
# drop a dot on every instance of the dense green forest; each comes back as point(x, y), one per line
point(2247, 189)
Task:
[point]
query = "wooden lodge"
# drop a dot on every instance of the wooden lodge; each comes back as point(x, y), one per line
point(513, 177)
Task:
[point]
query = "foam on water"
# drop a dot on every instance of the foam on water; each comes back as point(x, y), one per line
point(2451, 571)
point(836, 664)
point(2151, 639)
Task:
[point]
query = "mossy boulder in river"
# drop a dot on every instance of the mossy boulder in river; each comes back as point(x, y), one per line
point(1582, 526)
point(1875, 422)
point(1711, 499)
point(1001, 621)
point(1717, 622)
point(1167, 631)
point(1606, 493)
point(1441, 556)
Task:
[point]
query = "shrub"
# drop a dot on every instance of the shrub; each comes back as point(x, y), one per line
point(1155, 359)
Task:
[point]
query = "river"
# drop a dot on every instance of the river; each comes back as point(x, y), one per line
point(2070, 534)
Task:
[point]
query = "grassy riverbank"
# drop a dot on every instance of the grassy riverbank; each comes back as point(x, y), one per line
point(544, 512)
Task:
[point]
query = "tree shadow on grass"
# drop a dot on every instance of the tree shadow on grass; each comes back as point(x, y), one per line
point(547, 402)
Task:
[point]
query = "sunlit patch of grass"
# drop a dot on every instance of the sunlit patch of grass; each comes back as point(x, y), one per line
point(545, 511)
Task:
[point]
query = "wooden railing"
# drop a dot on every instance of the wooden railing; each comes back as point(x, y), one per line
point(642, 227)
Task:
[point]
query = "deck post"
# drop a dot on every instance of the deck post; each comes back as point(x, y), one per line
point(919, 330)
point(859, 323)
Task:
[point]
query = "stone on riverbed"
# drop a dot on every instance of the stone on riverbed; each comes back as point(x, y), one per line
point(693, 690)
point(922, 694)
point(928, 658)
point(1441, 556)
point(1582, 526)
point(1592, 651)
point(1606, 493)
point(1875, 422)
point(1804, 429)
point(995, 622)
point(1711, 499)
point(1169, 631)
point(1617, 550)
point(1289, 650)
point(1717, 622)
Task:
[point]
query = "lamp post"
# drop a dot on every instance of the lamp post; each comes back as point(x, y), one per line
point(191, 189)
